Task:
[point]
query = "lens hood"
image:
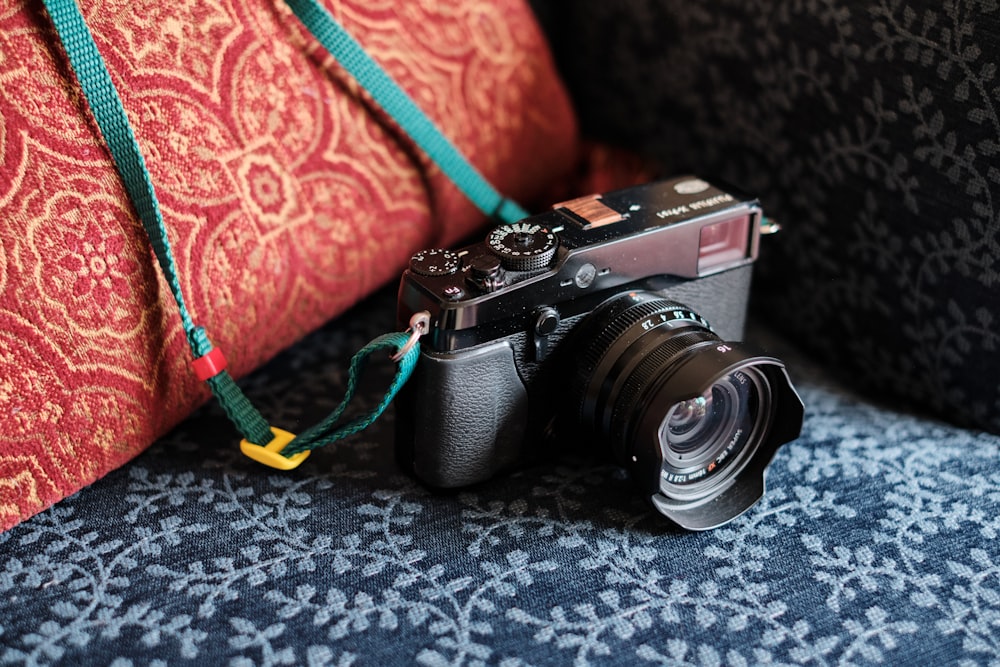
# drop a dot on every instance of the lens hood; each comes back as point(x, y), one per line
point(741, 484)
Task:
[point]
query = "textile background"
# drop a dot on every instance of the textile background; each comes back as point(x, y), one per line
point(871, 130)
point(878, 542)
point(286, 196)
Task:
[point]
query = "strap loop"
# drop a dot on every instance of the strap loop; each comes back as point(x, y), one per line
point(327, 431)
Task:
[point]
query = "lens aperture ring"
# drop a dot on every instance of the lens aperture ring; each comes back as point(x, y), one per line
point(599, 346)
point(618, 325)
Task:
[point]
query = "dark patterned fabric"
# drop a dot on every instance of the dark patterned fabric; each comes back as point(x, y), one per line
point(876, 542)
point(871, 130)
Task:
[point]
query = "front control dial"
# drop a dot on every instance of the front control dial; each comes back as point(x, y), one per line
point(435, 262)
point(523, 246)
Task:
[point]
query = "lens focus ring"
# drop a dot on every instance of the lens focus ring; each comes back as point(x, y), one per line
point(649, 370)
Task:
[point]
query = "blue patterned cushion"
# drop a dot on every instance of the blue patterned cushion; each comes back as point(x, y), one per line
point(877, 542)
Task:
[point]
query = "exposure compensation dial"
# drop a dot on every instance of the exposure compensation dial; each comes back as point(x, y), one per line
point(435, 262)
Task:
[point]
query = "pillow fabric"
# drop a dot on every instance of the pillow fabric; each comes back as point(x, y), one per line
point(871, 130)
point(286, 195)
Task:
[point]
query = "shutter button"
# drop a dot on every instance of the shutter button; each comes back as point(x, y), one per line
point(486, 273)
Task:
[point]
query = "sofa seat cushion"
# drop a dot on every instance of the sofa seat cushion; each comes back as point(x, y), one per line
point(878, 541)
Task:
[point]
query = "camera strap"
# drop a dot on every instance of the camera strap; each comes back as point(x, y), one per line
point(262, 442)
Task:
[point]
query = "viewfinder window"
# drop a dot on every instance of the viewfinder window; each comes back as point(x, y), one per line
point(723, 243)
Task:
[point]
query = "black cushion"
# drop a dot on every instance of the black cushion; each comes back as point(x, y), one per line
point(871, 131)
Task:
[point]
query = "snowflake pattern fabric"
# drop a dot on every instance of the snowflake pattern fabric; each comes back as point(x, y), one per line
point(877, 542)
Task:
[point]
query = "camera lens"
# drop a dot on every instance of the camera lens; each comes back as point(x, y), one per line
point(694, 418)
point(701, 436)
point(688, 421)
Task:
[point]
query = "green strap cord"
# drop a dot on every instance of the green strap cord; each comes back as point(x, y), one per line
point(110, 115)
point(327, 431)
point(388, 95)
point(109, 112)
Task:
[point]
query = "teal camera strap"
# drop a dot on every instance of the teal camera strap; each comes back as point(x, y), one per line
point(271, 446)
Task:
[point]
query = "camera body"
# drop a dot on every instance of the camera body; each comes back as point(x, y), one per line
point(514, 318)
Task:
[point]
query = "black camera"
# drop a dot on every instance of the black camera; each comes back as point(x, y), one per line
point(589, 324)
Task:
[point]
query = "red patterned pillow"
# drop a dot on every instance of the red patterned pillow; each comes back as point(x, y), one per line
point(287, 197)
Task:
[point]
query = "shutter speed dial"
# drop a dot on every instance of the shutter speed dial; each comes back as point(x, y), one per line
point(523, 246)
point(435, 262)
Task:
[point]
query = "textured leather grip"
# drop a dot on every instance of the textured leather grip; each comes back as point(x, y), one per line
point(469, 415)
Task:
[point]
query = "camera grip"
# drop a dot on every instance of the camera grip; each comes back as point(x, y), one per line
point(469, 412)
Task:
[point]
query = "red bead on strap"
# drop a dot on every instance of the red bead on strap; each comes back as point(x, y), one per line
point(210, 365)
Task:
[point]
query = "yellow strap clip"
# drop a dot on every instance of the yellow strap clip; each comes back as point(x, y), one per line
point(270, 454)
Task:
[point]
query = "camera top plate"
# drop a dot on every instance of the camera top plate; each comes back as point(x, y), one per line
point(684, 227)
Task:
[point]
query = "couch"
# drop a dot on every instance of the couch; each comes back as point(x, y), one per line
point(876, 542)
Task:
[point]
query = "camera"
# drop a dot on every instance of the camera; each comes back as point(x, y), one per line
point(611, 321)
